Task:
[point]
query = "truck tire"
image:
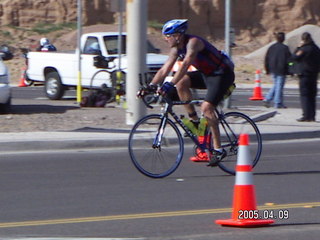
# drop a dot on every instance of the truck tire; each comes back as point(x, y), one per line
point(53, 87)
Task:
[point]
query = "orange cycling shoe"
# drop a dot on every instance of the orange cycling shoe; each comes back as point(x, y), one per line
point(200, 156)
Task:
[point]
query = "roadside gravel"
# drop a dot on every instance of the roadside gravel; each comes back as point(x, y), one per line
point(46, 115)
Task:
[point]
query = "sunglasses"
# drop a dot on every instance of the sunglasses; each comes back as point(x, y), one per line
point(167, 35)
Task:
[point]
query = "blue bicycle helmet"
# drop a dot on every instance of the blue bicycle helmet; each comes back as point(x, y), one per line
point(175, 26)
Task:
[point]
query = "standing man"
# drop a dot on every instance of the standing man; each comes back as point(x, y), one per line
point(215, 73)
point(307, 56)
point(276, 63)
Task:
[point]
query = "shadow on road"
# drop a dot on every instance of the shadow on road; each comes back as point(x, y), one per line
point(107, 130)
point(290, 173)
point(40, 108)
point(293, 224)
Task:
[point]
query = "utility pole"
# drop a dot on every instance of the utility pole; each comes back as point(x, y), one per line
point(119, 6)
point(227, 26)
point(136, 52)
point(228, 39)
point(78, 51)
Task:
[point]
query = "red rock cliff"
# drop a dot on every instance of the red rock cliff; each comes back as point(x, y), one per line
point(252, 19)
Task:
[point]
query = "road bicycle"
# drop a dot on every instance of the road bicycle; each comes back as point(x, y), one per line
point(117, 86)
point(156, 145)
point(114, 91)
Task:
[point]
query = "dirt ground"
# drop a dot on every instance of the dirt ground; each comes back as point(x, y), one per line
point(64, 115)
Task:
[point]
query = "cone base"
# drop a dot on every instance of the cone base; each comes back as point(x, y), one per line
point(256, 98)
point(244, 223)
point(257, 94)
point(22, 85)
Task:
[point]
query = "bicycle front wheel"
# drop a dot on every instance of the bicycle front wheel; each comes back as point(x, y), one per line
point(234, 124)
point(156, 146)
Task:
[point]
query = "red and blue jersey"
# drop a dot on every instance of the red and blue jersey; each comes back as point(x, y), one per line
point(207, 61)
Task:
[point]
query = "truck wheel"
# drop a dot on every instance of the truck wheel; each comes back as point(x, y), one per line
point(53, 87)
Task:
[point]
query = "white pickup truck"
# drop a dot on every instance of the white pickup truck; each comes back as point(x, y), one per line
point(59, 70)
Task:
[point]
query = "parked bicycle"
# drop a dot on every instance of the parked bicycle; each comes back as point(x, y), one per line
point(156, 145)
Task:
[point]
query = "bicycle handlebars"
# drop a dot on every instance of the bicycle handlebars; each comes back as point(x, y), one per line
point(142, 93)
point(146, 90)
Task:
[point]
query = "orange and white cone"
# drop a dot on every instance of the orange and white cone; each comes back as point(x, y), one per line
point(22, 82)
point(245, 213)
point(257, 91)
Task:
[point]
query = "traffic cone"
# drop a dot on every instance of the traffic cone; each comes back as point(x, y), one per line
point(257, 91)
point(22, 82)
point(245, 213)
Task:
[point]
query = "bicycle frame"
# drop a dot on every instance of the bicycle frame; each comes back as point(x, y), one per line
point(167, 110)
point(227, 129)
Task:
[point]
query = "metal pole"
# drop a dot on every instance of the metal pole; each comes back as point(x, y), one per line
point(227, 26)
point(136, 52)
point(120, 32)
point(78, 50)
point(227, 102)
point(119, 73)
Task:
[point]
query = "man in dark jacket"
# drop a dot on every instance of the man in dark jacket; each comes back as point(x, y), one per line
point(307, 56)
point(276, 63)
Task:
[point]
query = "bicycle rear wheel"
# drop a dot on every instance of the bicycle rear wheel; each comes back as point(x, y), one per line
point(154, 153)
point(234, 124)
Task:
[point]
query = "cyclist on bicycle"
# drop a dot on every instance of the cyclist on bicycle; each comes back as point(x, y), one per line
point(215, 73)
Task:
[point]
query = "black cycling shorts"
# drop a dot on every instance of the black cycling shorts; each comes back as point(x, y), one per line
point(216, 85)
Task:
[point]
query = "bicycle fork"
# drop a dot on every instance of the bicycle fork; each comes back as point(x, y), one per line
point(158, 139)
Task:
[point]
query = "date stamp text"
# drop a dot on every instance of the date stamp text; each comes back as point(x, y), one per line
point(281, 214)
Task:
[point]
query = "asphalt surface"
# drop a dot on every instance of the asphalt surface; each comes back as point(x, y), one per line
point(274, 124)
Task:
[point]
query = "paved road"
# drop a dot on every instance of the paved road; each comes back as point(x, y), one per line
point(95, 193)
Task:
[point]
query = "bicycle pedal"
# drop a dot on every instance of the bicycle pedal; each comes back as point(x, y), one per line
point(216, 158)
point(213, 163)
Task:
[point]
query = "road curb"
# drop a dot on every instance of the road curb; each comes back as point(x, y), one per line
point(61, 145)
point(41, 146)
point(118, 139)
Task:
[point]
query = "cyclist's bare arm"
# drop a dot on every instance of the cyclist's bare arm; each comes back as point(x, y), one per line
point(194, 46)
point(166, 68)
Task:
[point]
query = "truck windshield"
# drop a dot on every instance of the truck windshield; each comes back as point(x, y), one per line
point(111, 43)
